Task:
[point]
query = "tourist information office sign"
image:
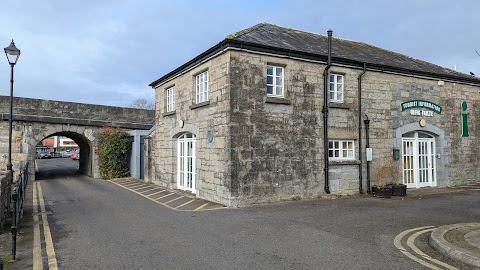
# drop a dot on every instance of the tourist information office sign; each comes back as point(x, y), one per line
point(416, 106)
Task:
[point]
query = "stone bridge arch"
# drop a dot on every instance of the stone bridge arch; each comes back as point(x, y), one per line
point(36, 119)
point(85, 137)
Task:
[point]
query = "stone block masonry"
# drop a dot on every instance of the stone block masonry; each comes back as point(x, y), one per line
point(268, 149)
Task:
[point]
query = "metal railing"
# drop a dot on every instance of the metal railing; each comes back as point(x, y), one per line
point(18, 197)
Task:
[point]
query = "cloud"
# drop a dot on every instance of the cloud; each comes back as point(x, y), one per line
point(107, 52)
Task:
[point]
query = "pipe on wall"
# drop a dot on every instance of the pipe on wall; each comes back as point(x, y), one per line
point(360, 173)
point(325, 111)
point(367, 138)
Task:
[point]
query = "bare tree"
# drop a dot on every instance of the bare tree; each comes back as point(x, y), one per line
point(142, 103)
point(477, 53)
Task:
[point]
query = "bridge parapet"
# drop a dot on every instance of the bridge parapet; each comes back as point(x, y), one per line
point(36, 119)
point(61, 112)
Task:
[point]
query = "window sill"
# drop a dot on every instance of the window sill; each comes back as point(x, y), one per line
point(168, 113)
point(339, 105)
point(344, 162)
point(277, 100)
point(198, 105)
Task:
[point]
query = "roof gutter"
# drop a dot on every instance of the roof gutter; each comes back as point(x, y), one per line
point(325, 111)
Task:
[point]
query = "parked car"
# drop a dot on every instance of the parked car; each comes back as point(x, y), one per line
point(43, 154)
point(67, 153)
point(75, 156)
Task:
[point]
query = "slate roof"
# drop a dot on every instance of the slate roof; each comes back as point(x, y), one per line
point(270, 38)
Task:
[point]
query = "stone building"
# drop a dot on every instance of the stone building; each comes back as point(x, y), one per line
point(244, 122)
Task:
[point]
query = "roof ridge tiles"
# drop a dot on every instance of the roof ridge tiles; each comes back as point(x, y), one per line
point(283, 40)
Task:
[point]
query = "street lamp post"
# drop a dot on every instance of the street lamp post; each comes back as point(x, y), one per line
point(12, 54)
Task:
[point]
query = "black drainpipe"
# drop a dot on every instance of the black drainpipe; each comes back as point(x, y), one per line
point(325, 110)
point(360, 174)
point(367, 138)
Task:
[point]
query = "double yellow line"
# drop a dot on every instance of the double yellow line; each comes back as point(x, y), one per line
point(419, 256)
point(37, 244)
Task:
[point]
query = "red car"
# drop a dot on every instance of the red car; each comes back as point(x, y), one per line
point(75, 156)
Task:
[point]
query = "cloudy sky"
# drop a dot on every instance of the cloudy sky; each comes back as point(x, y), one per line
point(108, 51)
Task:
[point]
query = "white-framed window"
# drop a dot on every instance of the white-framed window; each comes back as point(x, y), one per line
point(336, 88)
point(171, 99)
point(341, 150)
point(201, 83)
point(275, 81)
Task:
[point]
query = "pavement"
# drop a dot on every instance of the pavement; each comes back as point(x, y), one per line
point(457, 241)
point(460, 242)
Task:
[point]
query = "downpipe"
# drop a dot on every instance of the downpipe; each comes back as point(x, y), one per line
point(360, 165)
point(367, 138)
point(325, 111)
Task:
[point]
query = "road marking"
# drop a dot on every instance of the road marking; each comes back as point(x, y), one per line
point(155, 193)
point(172, 200)
point(411, 244)
point(153, 189)
point(183, 204)
point(164, 204)
point(52, 259)
point(142, 189)
point(201, 206)
point(170, 194)
point(132, 185)
point(37, 244)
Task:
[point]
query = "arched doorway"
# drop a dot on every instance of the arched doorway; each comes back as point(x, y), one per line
point(418, 160)
point(186, 162)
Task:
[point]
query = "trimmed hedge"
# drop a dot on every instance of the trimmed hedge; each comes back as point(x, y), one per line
point(114, 146)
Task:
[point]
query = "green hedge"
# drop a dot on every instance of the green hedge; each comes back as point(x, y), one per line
point(114, 146)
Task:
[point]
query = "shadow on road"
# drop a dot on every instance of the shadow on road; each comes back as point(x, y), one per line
point(48, 169)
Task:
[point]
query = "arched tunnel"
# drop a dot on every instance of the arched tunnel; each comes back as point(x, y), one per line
point(83, 165)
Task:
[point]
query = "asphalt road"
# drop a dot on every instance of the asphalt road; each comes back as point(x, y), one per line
point(96, 224)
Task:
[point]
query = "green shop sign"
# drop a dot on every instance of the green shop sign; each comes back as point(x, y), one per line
point(421, 104)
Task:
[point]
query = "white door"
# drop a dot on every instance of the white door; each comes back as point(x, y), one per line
point(419, 168)
point(186, 162)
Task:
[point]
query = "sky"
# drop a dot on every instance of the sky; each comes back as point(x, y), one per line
point(107, 52)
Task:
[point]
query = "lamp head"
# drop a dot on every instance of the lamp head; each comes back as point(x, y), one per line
point(12, 53)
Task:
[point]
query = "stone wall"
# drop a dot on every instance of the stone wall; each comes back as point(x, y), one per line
point(457, 158)
point(212, 157)
point(149, 163)
point(275, 154)
point(5, 195)
point(51, 111)
point(36, 119)
point(269, 149)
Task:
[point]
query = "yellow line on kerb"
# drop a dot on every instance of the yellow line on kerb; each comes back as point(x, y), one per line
point(37, 244)
point(52, 259)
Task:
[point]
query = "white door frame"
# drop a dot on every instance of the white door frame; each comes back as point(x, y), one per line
point(418, 160)
point(186, 166)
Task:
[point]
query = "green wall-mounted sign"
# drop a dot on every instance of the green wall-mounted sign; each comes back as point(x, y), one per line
point(421, 104)
point(464, 120)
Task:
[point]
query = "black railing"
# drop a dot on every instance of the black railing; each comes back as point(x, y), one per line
point(18, 197)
